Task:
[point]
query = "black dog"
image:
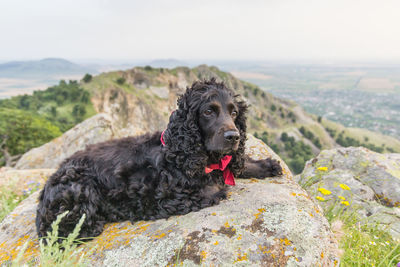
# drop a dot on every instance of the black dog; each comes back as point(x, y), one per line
point(158, 175)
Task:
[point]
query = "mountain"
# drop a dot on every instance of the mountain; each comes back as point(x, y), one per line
point(41, 68)
point(141, 99)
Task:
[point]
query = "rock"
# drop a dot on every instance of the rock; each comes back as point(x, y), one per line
point(93, 130)
point(271, 222)
point(374, 180)
point(23, 181)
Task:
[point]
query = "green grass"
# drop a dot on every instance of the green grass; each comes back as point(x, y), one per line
point(9, 199)
point(60, 254)
point(363, 243)
point(367, 245)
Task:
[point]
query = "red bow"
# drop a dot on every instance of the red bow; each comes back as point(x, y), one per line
point(228, 175)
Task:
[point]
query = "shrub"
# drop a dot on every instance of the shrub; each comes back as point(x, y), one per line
point(87, 78)
point(121, 80)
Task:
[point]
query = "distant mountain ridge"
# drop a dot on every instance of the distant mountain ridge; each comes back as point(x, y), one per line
point(41, 68)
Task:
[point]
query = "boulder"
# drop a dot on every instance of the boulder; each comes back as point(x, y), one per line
point(373, 180)
point(93, 130)
point(99, 128)
point(271, 222)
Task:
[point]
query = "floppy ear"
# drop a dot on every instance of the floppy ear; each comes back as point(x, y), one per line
point(184, 146)
point(237, 163)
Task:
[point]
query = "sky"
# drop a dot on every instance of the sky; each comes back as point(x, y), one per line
point(335, 30)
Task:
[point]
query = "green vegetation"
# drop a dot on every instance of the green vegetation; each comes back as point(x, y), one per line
point(294, 153)
point(29, 121)
point(58, 100)
point(121, 80)
point(310, 136)
point(10, 197)
point(347, 141)
point(66, 253)
point(87, 78)
point(20, 131)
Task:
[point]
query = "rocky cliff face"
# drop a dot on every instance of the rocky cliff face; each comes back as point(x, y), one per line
point(271, 222)
point(368, 181)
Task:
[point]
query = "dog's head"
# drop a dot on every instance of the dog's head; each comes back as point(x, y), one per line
point(210, 121)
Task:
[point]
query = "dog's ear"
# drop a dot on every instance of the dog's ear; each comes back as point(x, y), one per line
point(237, 163)
point(184, 146)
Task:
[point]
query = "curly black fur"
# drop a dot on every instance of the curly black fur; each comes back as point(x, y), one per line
point(137, 178)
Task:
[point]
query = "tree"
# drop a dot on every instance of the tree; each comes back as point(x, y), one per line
point(284, 137)
point(53, 111)
point(297, 164)
point(24, 102)
point(78, 111)
point(87, 78)
point(85, 97)
point(21, 131)
point(319, 119)
point(302, 130)
point(121, 80)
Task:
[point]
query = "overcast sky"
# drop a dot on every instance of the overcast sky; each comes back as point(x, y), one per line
point(207, 29)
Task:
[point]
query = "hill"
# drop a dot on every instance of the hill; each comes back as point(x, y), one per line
point(41, 68)
point(141, 99)
point(284, 125)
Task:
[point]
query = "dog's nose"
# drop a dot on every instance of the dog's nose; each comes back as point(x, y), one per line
point(231, 136)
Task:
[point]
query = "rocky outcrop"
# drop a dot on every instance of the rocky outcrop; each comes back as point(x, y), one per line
point(96, 129)
point(271, 222)
point(372, 180)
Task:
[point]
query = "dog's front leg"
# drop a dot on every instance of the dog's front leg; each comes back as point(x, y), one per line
point(261, 168)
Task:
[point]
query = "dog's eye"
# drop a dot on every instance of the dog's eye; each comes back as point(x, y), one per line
point(208, 112)
point(234, 113)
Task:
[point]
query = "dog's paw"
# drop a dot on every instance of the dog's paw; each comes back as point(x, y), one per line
point(270, 167)
point(276, 168)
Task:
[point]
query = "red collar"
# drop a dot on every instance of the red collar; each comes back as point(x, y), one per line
point(228, 175)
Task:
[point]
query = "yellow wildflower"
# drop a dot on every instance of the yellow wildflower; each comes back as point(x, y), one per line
point(324, 191)
point(320, 198)
point(322, 169)
point(342, 198)
point(344, 187)
point(346, 203)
